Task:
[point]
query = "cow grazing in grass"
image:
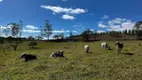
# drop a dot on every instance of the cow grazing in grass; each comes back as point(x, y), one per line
point(105, 45)
point(58, 54)
point(28, 57)
point(86, 48)
point(119, 47)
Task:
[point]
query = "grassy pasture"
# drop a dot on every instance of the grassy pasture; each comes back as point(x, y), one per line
point(99, 64)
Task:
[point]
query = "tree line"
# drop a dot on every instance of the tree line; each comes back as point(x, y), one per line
point(15, 30)
point(88, 35)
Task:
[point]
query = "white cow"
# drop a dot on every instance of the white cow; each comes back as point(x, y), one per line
point(86, 48)
point(105, 45)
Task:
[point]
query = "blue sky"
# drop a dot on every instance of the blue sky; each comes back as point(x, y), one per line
point(71, 15)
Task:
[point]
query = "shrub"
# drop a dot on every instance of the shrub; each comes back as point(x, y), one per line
point(32, 45)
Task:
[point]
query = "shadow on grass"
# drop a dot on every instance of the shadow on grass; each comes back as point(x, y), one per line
point(126, 50)
point(129, 54)
point(34, 48)
point(110, 49)
point(90, 52)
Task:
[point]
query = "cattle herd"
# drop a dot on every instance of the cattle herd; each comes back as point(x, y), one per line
point(60, 54)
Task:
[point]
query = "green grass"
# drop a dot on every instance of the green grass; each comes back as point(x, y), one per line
point(100, 64)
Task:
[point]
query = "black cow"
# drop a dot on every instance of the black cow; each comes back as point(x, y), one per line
point(119, 47)
point(28, 57)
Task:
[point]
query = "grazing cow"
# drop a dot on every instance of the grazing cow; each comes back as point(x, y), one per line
point(59, 54)
point(28, 57)
point(53, 55)
point(86, 48)
point(119, 47)
point(105, 45)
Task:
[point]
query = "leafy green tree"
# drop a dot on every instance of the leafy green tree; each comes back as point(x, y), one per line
point(125, 32)
point(133, 32)
point(129, 32)
point(10, 39)
point(31, 38)
point(39, 37)
point(71, 36)
point(61, 36)
point(32, 45)
point(16, 31)
point(47, 29)
point(95, 34)
point(6, 31)
point(86, 35)
point(56, 36)
point(138, 29)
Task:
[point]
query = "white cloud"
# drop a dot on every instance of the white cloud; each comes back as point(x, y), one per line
point(117, 24)
point(54, 13)
point(5, 27)
point(2, 27)
point(101, 25)
point(1, 0)
point(128, 25)
point(117, 21)
point(63, 31)
point(91, 14)
point(31, 27)
point(100, 31)
point(91, 29)
point(58, 9)
point(77, 11)
point(53, 31)
point(68, 12)
point(105, 17)
point(74, 31)
point(31, 31)
point(64, 0)
point(79, 27)
point(58, 31)
point(66, 16)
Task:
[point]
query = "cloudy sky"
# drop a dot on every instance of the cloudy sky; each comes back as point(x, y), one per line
point(71, 15)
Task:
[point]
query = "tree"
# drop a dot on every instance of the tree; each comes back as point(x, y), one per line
point(32, 45)
point(71, 36)
point(95, 34)
point(86, 35)
point(61, 36)
point(47, 29)
point(129, 32)
point(56, 36)
point(10, 39)
point(31, 38)
point(16, 32)
point(138, 28)
point(133, 32)
point(39, 37)
point(6, 31)
point(125, 32)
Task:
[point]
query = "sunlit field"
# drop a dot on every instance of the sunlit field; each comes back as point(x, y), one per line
point(99, 64)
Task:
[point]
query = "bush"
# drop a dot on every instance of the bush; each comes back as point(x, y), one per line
point(1, 41)
point(32, 45)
